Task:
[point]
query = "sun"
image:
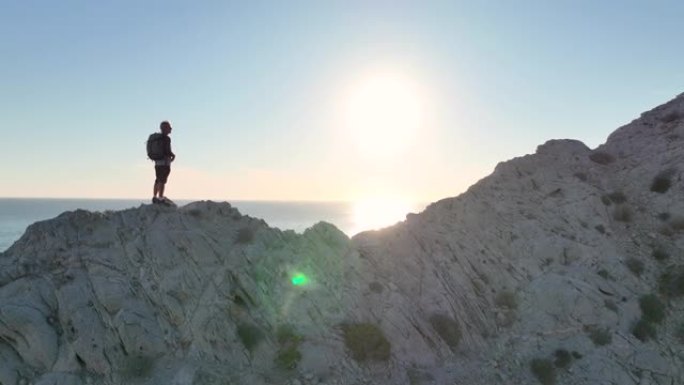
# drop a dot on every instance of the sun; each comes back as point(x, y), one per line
point(384, 115)
point(378, 212)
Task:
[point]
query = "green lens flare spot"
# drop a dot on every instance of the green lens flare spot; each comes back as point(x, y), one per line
point(300, 279)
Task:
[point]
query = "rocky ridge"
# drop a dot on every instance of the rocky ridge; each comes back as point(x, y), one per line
point(564, 266)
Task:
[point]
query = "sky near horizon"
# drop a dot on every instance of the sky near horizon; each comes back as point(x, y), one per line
point(316, 100)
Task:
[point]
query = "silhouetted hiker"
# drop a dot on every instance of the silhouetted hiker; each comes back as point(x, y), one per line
point(159, 150)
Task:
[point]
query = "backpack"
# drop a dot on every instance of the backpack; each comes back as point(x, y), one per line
point(155, 146)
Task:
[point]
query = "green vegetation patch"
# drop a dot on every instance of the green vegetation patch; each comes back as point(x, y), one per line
point(288, 358)
point(544, 370)
point(563, 358)
point(644, 330)
point(506, 299)
point(250, 335)
point(366, 342)
point(662, 182)
point(600, 336)
point(447, 328)
point(652, 308)
point(671, 282)
point(288, 355)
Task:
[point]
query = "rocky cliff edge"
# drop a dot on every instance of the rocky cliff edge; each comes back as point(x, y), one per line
point(562, 267)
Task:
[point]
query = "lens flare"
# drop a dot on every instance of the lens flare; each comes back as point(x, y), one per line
point(300, 279)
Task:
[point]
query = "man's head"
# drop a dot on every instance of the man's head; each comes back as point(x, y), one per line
point(165, 127)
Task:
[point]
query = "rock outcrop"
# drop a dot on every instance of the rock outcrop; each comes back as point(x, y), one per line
point(564, 266)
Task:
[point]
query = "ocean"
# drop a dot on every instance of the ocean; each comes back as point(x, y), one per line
point(16, 214)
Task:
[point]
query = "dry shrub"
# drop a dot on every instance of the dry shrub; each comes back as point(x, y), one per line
point(644, 330)
point(506, 299)
point(250, 335)
point(544, 370)
point(600, 336)
point(563, 358)
point(671, 282)
point(635, 266)
point(366, 342)
point(662, 182)
point(652, 309)
point(447, 328)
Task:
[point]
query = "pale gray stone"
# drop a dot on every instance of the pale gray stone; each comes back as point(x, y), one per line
point(525, 265)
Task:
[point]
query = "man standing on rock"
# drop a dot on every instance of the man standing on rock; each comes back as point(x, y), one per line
point(161, 144)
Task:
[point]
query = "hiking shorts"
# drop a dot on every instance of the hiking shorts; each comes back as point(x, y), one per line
point(162, 173)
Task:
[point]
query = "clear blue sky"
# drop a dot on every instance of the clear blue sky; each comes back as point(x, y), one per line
point(255, 89)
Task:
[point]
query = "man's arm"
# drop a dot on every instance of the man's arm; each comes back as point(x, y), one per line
point(168, 149)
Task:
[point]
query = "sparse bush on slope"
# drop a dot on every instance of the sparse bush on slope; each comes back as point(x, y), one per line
point(249, 335)
point(447, 328)
point(366, 342)
point(288, 355)
point(600, 336)
point(652, 308)
point(635, 265)
point(544, 370)
point(506, 299)
point(644, 330)
point(662, 182)
point(671, 282)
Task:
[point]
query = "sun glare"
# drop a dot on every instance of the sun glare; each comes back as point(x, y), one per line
point(375, 213)
point(384, 115)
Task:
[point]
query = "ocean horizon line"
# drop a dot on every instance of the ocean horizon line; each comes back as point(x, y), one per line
point(179, 199)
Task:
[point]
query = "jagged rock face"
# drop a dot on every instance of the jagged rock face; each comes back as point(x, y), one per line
point(154, 295)
point(547, 261)
point(564, 267)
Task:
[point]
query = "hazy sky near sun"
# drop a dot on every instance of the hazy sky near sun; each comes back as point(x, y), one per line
point(259, 92)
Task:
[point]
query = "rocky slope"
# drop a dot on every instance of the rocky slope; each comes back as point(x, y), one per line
point(563, 267)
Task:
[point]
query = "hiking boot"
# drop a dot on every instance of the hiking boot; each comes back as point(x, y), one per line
point(155, 200)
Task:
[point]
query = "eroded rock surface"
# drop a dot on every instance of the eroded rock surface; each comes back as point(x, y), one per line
point(564, 266)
